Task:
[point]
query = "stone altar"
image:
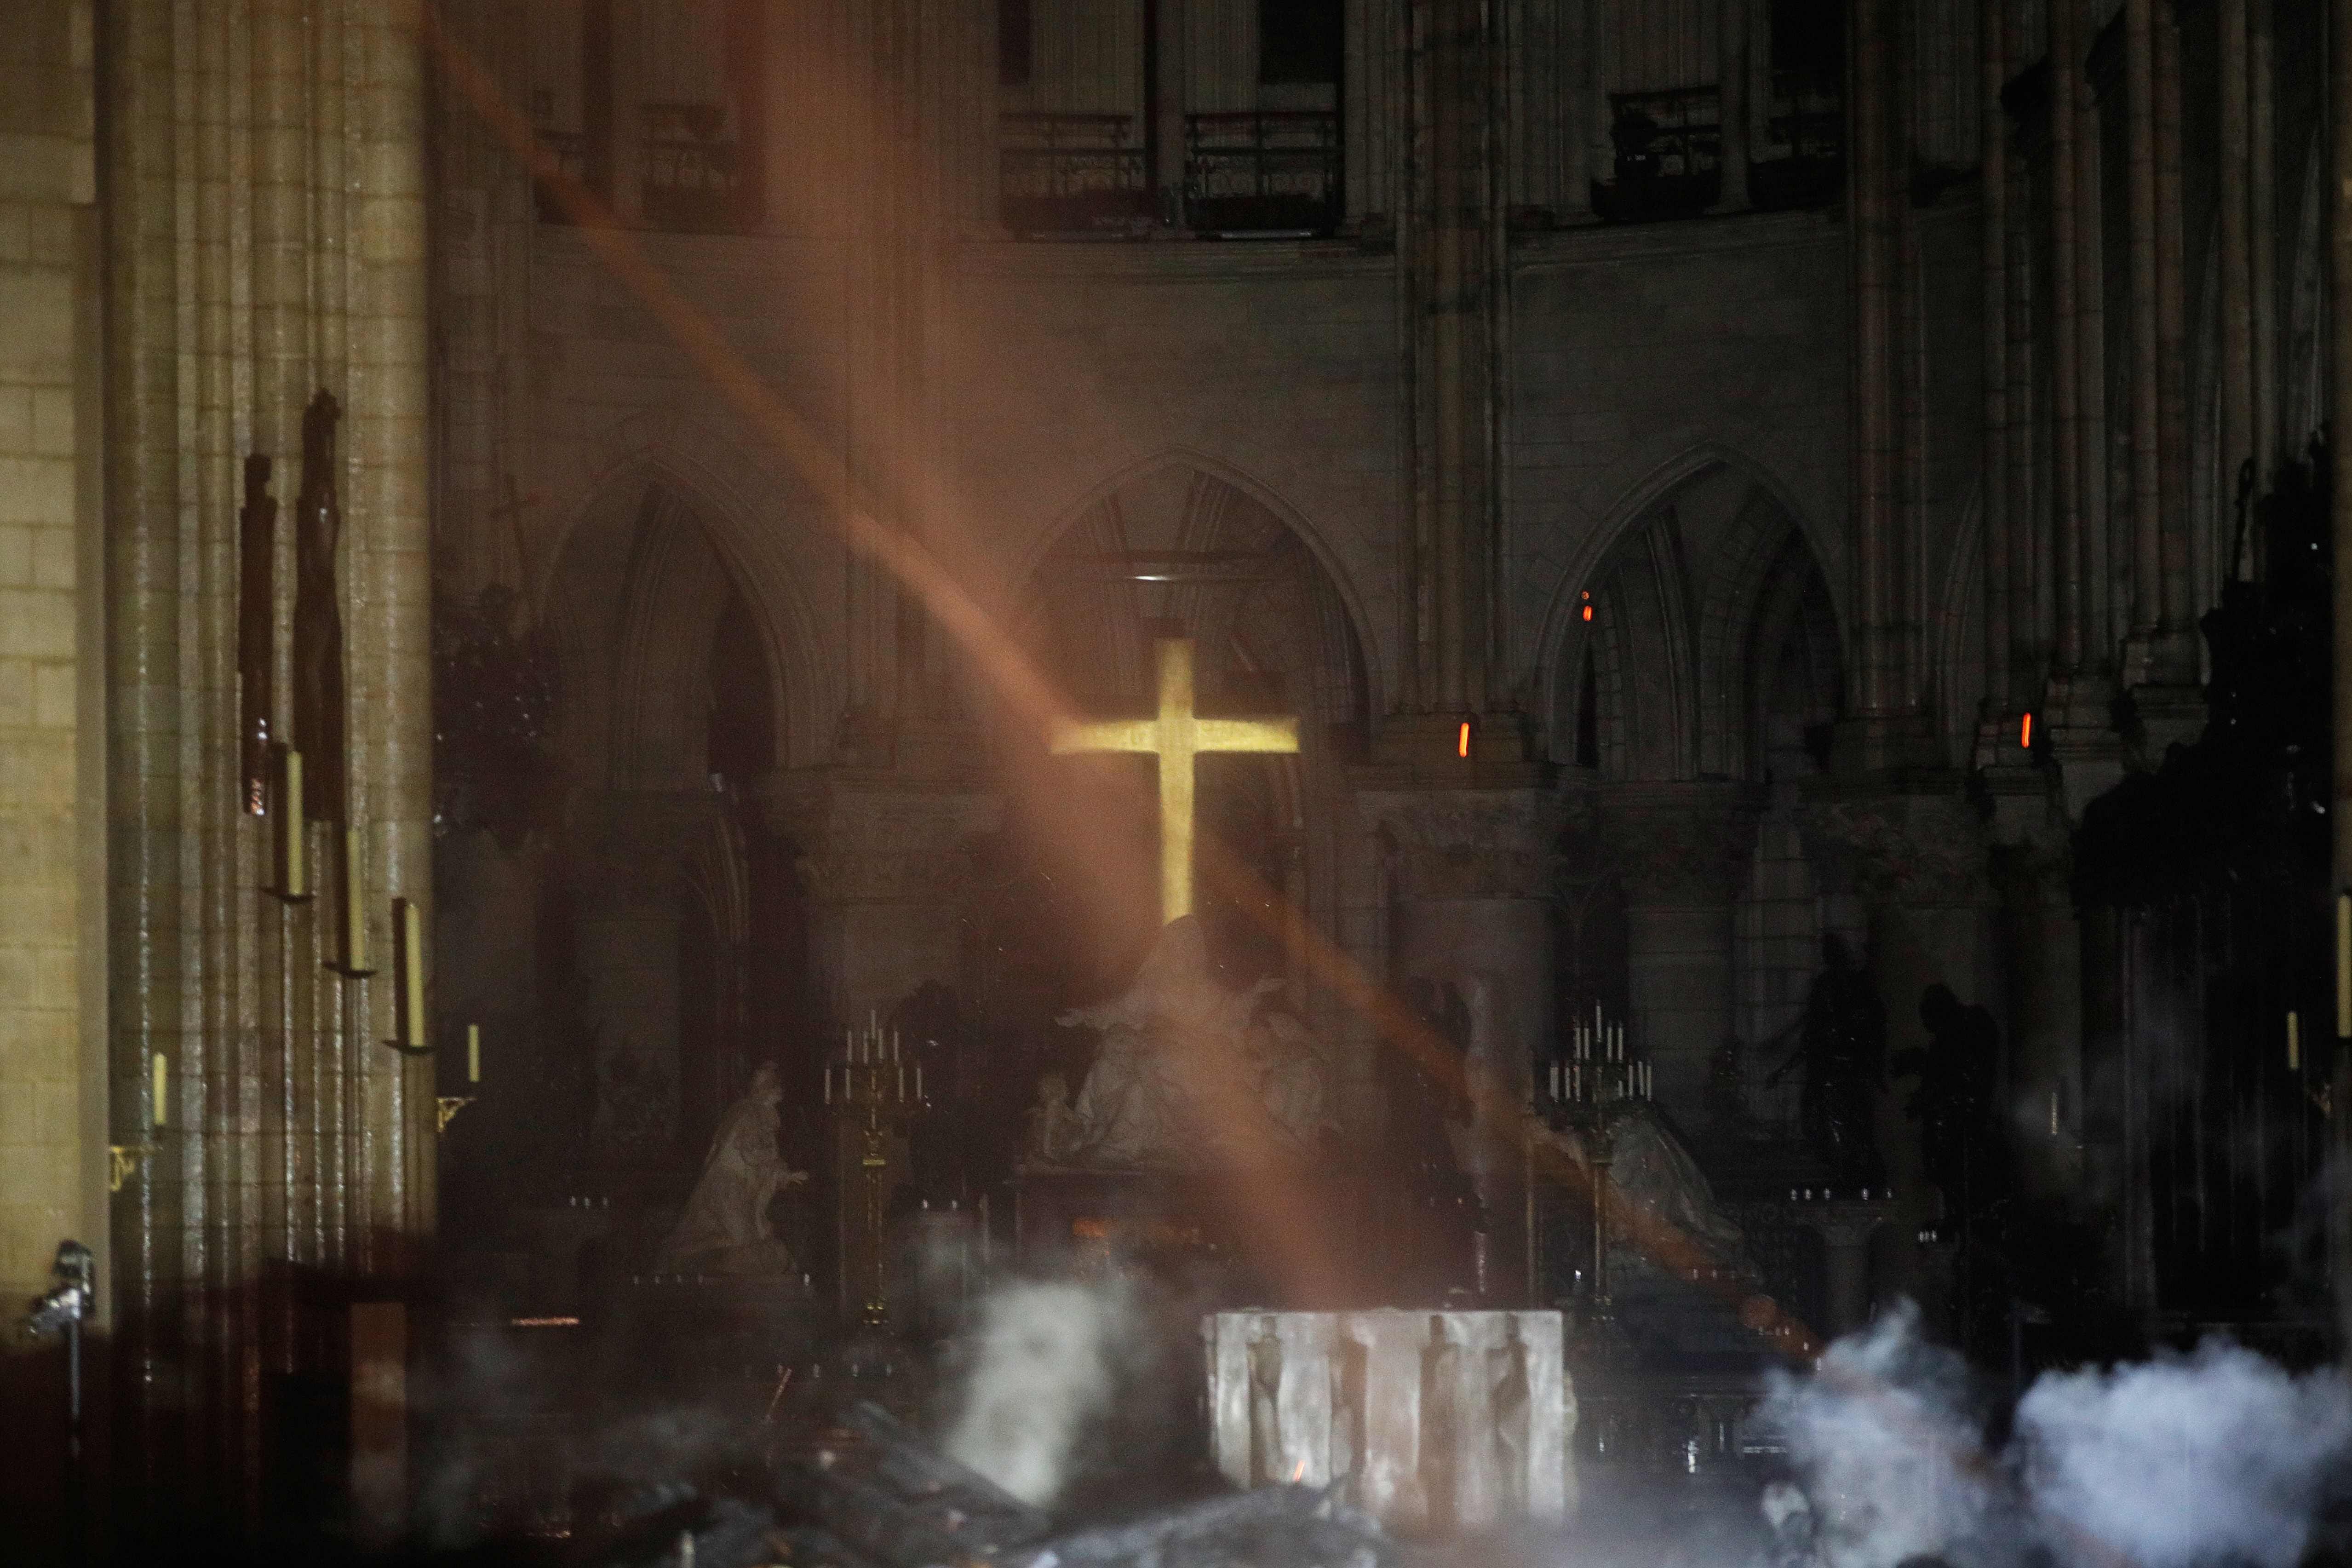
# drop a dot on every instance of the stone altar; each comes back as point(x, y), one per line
point(1427, 1419)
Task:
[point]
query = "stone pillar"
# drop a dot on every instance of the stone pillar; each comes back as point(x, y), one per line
point(1682, 849)
point(1731, 78)
point(885, 859)
point(1451, 287)
point(1471, 906)
point(1993, 465)
point(2339, 382)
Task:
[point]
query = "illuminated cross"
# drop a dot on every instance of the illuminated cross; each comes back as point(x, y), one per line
point(1176, 734)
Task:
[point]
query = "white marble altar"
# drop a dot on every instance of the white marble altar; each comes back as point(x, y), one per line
point(1428, 1419)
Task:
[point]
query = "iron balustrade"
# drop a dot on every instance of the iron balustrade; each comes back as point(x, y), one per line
point(1669, 153)
point(1071, 173)
point(569, 149)
point(690, 171)
point(1803, 163)
point(1263, 171)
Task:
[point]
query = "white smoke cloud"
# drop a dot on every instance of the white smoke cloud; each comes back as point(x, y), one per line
point(2217, 1455)
point(1042, 1369)
point(1882, 1435)
point(2220, 1456)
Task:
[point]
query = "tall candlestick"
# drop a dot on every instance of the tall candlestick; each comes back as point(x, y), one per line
point(163, 1089)
point(473, 1053)
point(411, 986)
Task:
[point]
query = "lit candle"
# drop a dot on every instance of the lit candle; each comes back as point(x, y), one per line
point(412, 957)
point(297, 878)
point(473, 1053)
point(162, 1091)
point(354, 905)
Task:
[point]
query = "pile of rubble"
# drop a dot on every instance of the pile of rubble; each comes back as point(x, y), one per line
point(878, 1497)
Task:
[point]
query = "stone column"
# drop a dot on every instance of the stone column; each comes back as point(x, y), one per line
point(885, 859)
point(1993, 466)
point(1682, 849)
point(2339, 375)
point(1471, 906)
point(1731, 78)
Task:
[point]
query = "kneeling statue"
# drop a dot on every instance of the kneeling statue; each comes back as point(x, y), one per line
point(724, 1229)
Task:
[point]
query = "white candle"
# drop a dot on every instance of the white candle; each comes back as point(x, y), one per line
point(162, 1091)
point(412, 953)
point(473, 1053)
point(298, 875)
point(354, 904)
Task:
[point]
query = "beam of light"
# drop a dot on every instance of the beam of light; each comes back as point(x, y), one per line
point(1299, 1248)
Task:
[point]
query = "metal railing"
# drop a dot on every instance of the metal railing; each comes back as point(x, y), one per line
point(1071, 173)
point(1803, 163)
point(1669, 153)
point(570, 151)
point(1263, 172)
point(690, 170)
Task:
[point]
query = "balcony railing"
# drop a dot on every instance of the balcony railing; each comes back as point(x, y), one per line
point(1071, 173)
point(1669, 153)
point(570, 151)
point(1263, 172)
point(691, 172)
point(1804, 163)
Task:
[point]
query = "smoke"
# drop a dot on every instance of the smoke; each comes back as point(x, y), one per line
point(1043, 1365)
point(1888, 1445)
point(2219, 1453)
point(2217, 1456)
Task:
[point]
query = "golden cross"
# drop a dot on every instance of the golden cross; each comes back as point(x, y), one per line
point(1176, 734)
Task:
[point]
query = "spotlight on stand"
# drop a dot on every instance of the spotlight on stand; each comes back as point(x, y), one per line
point(72, 1301)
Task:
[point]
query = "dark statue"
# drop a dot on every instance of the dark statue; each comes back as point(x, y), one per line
point(317, 615)
point(1958, 1074)
point(1841, 1046)
point(257, 627)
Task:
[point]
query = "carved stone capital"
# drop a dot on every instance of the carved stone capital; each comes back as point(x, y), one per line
point(1895, 846)
point(1467, 843)
point(877, 839)
point(1678, 843)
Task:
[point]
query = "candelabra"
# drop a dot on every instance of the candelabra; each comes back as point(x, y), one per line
point(868, 1091)
point(1588, 1088)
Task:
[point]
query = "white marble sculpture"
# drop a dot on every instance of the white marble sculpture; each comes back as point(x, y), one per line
point(1188, 1073)
point(724, 1229)
point(1491, 1386)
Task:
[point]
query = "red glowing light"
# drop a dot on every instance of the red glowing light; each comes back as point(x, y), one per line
point(2025, 731)
point(1461, 740)
point(1588, 612)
